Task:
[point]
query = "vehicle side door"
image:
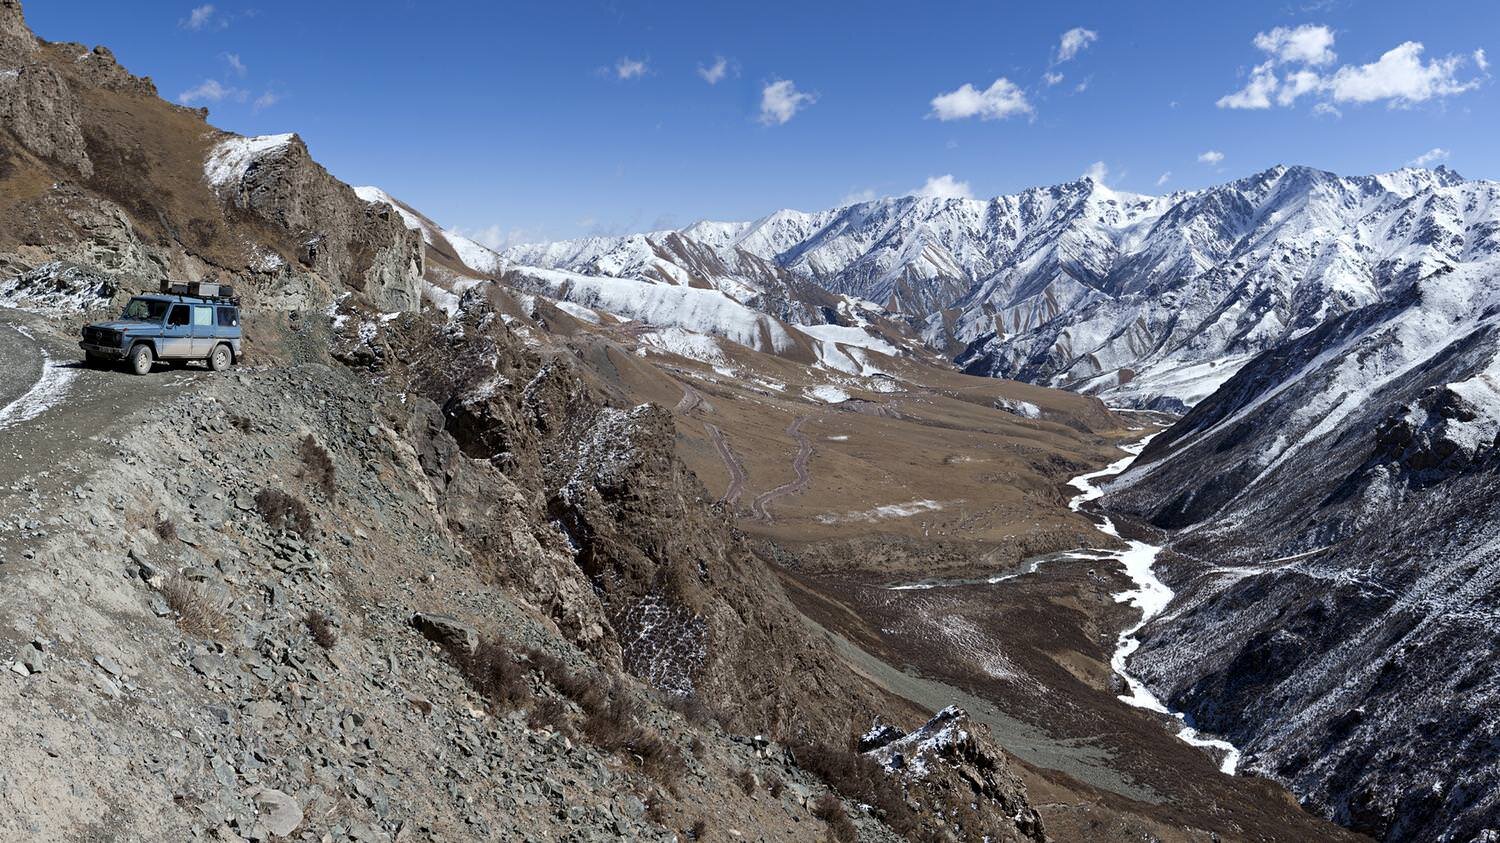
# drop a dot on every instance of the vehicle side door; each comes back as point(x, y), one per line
point(203, 330)
point(229, 327)
point(177, 334)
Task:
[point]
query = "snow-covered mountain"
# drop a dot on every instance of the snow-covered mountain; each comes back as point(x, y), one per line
point(1144, 300)
point(1335, 508)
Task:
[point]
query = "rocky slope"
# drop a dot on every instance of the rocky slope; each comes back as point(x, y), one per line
point(1338, 595)
point(97, 171)
point(421, 574)
point(1151, 301)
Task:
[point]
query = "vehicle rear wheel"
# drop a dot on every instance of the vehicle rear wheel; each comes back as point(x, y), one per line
point(220, 359)
point(141, 358)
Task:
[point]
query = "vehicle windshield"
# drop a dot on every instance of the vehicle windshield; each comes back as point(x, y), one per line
point(146, 310)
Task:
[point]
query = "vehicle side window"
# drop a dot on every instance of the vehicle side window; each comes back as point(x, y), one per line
point(179, 315)
point(229, 317)
point(203, 316)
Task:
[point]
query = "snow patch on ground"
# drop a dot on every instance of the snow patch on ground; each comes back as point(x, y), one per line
point(47, 392)
point(370, 193)
point(827, 393)
point(890, 510)
point(578, 311)
point(475, 256)
point(663, 305)
point(231, 158)
point(1024, 409)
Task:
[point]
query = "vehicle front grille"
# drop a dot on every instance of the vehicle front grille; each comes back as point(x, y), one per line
point(101, 336)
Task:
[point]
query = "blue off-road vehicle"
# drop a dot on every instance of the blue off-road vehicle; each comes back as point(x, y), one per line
point(185, 322)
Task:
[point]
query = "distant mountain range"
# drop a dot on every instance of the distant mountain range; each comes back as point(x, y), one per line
point(1147, 301)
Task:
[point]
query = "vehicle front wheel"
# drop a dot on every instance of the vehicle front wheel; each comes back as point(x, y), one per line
point(141, 359)
point(220, 359)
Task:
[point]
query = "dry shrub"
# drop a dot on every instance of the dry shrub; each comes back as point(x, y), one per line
point(165, 529)
point(615, 727)
point(196, 613)
point(696, 747)
point(830, 810)
point(859, 779)
point(611, 715)
point(746, 780)
point(320, 627)
point(494, 672)
point(318, 465)
point(775, 785)
point(241, 423)
point(699, 829)
point(282, 511)
point(691, 707)
point(548, 713)
point(656, 810)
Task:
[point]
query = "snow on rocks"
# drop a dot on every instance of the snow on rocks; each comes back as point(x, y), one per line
point(662, 305)
point(827, 393)
point(231, 158)
point(56, 288)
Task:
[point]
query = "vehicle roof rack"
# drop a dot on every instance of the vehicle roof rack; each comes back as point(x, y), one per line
point(220, 293)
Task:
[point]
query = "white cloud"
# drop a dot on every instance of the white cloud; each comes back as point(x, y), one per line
point(714, 73)
point(1073, 42)
point(266, 100)
point(1084, 85)
point(1437, 153)
point(1294, 68)
point(854, 197)
point(239, 68)
point(1211, 157)
point(1307, 44)
point(1256, 94)
point(1000, 100)
point(1163, 178)
point(210, 91)
point(1324, 109)
point(498, 238)
point(944, 187)
point(1296, 84)
point(1481, 60)
point(780, 101)
point(203, 17)
point(1399, 76)
point(628, 68)
point(1052, 78)
point(1098, 172)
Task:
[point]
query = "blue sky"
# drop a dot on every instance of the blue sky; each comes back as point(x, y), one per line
point(539, 120)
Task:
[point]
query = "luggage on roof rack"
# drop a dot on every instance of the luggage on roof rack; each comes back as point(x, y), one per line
point(199, 289)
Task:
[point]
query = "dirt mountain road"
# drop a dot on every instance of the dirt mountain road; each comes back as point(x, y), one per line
point(54, 414)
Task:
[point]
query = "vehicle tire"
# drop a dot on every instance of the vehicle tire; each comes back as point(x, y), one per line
point(140, 359)
point(220, 359)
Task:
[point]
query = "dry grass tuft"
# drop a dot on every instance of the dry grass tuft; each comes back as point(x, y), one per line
point(830, 810)
point(320, 627)
point(165, 529)
point(196, 613)
point(282, 511)
point(699, 829)
point(746, 780)
point(860, 779)
point(318, 466)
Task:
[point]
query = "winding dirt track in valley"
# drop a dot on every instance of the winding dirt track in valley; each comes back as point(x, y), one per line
point(732, 462)
point(799, 466)
point(692, 399)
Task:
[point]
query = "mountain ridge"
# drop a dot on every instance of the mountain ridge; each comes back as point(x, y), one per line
point(1056, 284)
